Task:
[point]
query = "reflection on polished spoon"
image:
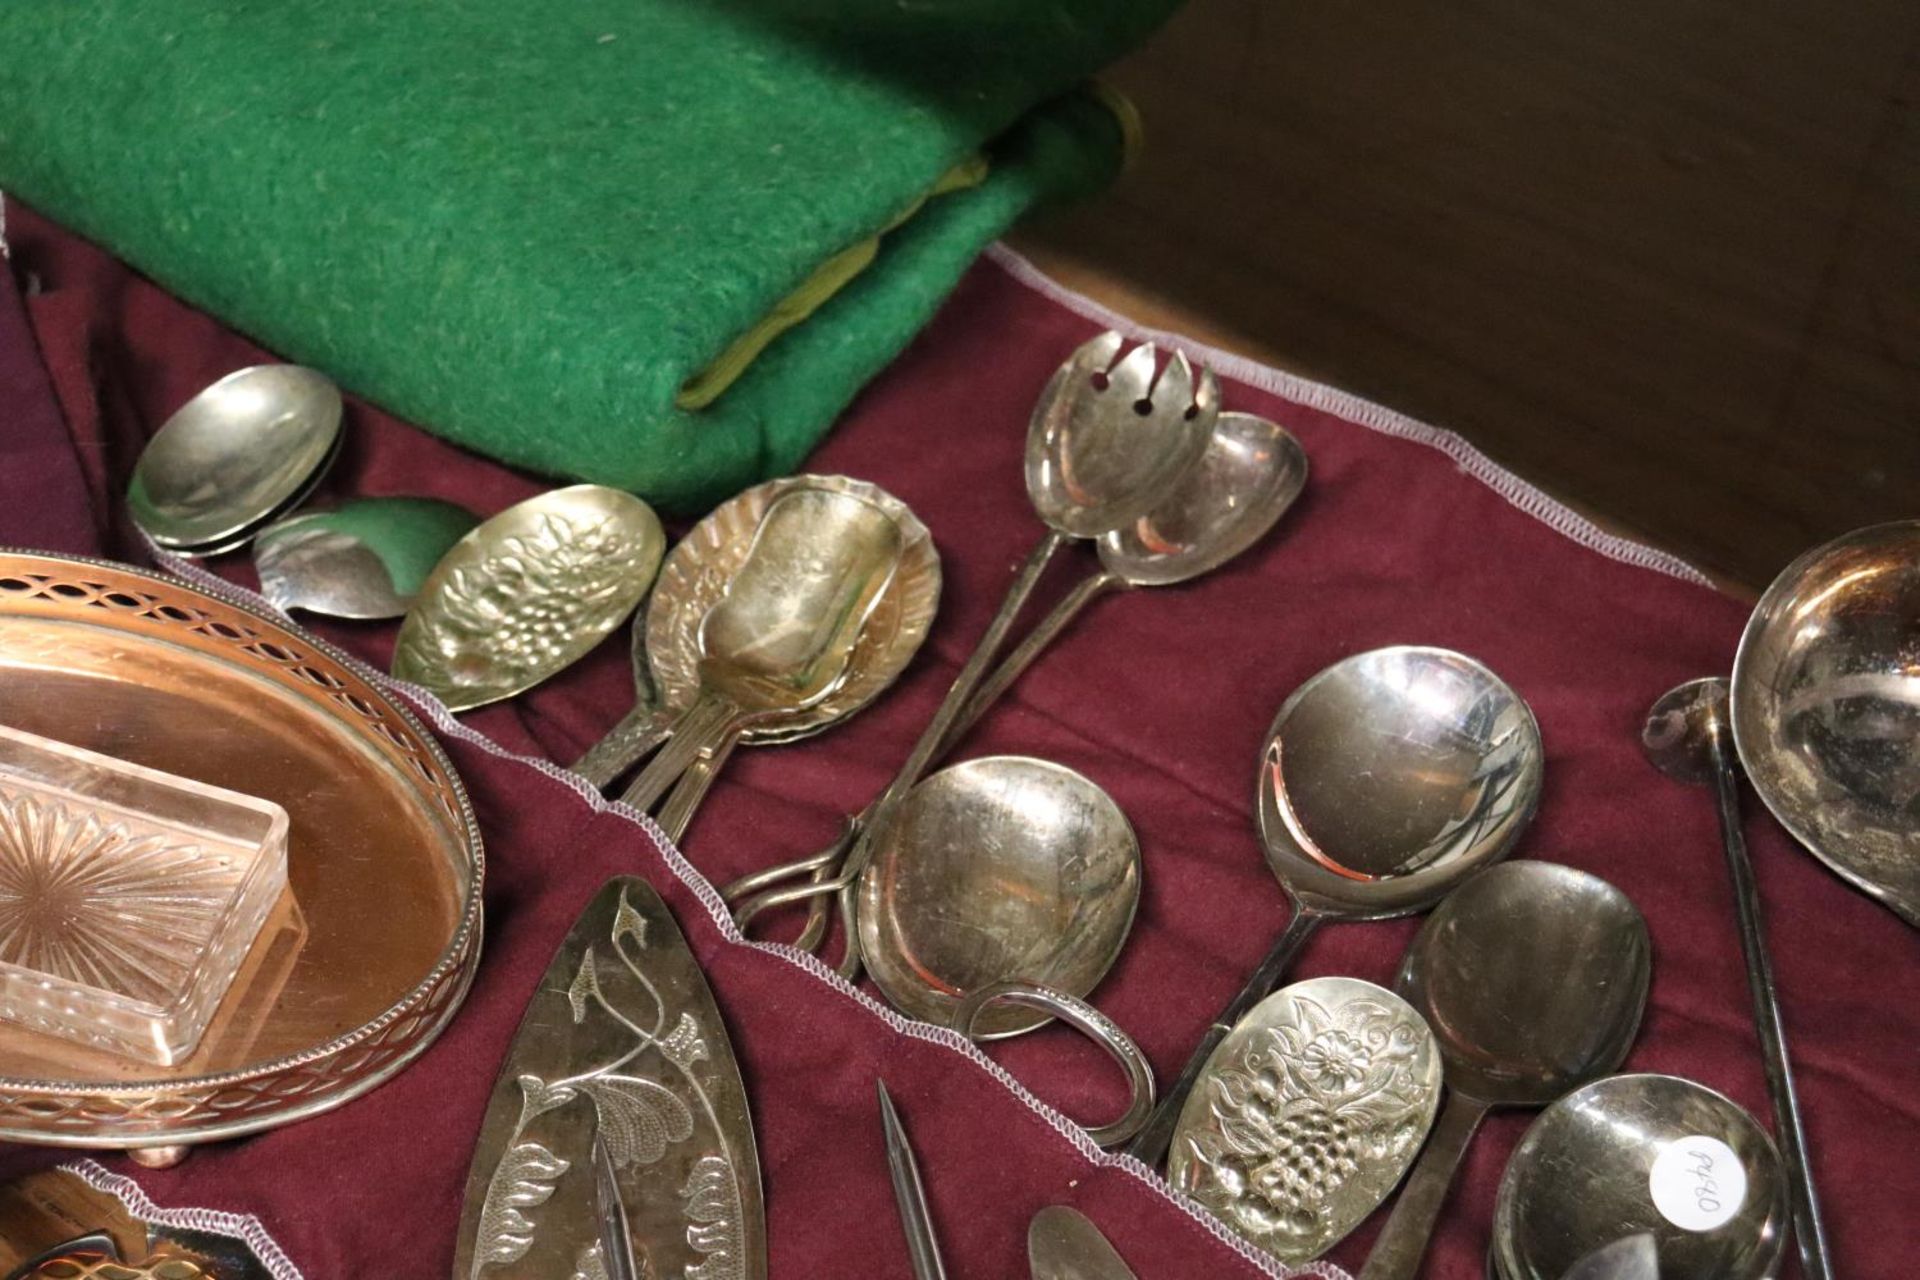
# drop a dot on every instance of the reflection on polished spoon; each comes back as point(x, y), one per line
point(1533, 978)
point(782, 637)
point(1386, 780)
point(364, 559)
point(1063, 1244)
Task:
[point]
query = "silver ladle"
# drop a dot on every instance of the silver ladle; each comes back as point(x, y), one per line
point(1671, 1162)
point(1686, 737)
point(1005, 870)
point(1386, 780)
point(1533, 978)
point(1107, 442)
point(1252, 472)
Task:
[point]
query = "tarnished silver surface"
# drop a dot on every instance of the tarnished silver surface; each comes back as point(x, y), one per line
point(909, 1193)
point(622, 1043)
point(784, 634)
point(1826, 707)
point(1106, 442)
point(1063, 1244)
point(529, 593)
point(1533, 978)
point(1633, 1257)
point(234, 455)
point(666, 637)
point(365, 559)
point(1687, 737)
point(1307, 1114)
point(1002, 867)
point(1585, 1175)
point(1386, 780)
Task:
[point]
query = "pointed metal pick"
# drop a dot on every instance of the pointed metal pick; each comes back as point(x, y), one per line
point(616, 1235)
point(909, 1193)
point(1628, 1258)
point(622, 1045)
point(1062, 1244)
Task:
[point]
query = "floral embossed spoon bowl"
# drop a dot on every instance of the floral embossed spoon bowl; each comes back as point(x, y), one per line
point(1307, 1114)
point(529, 593)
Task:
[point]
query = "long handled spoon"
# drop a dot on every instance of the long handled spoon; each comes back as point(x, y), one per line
point(1687, 738)
point(1533, 978)
point(1386, 780)
point(1106, 444)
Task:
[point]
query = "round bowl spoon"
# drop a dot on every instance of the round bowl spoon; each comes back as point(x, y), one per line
point(1686, 738)
point(248, 447)
point(1533, 978)
point(1386, 780)
point(1826, 708)
point(1652, 1156)
point(1002, 869)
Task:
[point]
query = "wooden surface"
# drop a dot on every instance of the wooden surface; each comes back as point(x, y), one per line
point(1661, 259)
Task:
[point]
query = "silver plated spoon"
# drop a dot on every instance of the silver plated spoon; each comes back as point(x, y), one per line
point(1642, 1155)
point(1004, 870)
point(528, 593)
point(365, 559)
point(783, 636)
point(1686, 737)
point(1307, 1115)
point(1386, 780)
point(247, 448)
point(1533, 977)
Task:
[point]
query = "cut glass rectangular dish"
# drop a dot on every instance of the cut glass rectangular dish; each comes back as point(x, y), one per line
point(128, 897)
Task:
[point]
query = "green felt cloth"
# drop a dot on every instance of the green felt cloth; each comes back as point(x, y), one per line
point(526, 226)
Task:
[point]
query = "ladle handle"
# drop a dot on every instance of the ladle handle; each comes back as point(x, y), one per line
point(1809, 1231)
point(1089, 1022)
point(1403, 1241)
point(1152, 1142)
point(639, 731)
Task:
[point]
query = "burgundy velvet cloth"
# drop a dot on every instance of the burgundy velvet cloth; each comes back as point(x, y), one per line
point(1162, 697)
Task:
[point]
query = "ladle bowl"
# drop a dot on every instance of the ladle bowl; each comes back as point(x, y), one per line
point(1643, 1153)
point(1826, 708)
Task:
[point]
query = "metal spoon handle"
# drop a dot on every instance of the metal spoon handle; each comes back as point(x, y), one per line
point(684, 800)
point(1153, 1140)
point(1810, 1232)
point(639, 731)
point(701, 730)
point(1403, 1241)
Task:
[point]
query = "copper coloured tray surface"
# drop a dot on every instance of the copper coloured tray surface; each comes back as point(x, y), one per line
point(367, 956)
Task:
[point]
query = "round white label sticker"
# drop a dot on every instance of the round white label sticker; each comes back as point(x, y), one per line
point(1698, 1183)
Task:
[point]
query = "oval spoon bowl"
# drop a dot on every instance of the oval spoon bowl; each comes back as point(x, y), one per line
point(232, 456)
point(528, 593)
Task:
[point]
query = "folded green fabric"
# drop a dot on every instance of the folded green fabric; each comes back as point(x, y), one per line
point(533, 228)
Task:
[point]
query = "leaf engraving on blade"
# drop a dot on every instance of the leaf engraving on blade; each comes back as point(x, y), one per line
point(584, 987)
point(629, 923)
point(685, 1046)
point(637, 1118)
point(525, 1178)
point(713, 1209)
